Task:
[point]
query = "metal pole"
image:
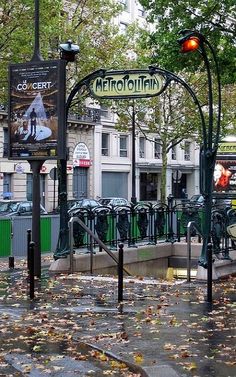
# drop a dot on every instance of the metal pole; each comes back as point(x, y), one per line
point(120, 272)
point(11, 262)
point(28, 246)
point(178, 229)
point(91, 253)
point(189, 228)
point(31, 269)
point(71, 239)
point(54, 188)
point(63, 248)
point(209, 272)
point(133, 198)
point(35, 167)
point(37, 56)
point(170, 218)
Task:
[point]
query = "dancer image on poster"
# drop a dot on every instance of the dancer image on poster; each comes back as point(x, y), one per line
point(221, 177)
point(33, 118)
point(24, 131)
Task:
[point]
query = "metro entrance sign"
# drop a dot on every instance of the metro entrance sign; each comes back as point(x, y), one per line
point(115, 84)
point(128, 83)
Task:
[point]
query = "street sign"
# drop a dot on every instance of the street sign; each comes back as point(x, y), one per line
point(53, 174)
point(19, 169)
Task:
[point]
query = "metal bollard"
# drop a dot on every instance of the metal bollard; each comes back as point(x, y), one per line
point(209, 272)
point(28, 245)
point(31, 269)
point(178, 230)
point(120, 272)
point(11, 263)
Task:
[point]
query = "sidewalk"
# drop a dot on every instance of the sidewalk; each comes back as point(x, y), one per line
point(75, 327)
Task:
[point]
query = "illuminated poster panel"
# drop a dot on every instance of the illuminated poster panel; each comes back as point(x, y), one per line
point(37, 110)
point(225, 168)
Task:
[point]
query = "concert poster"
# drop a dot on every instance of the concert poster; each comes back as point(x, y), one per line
point(37, 110)
point(225, 168)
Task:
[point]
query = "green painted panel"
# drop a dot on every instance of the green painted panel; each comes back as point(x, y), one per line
point(111, 232)
point(45, 232)
point(5, 237)
point(196, 215)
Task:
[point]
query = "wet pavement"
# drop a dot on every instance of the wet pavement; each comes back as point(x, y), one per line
point(75, 327)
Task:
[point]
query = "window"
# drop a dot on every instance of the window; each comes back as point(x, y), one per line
point(173, 152)
point(187, 151)
point(7, 194)
point(105, 144)
point(123, 146)
point(142, 147)
point(123, 28)
point(104, 111)
point(141, 12)
point(125, 4)
point(114, 184)
point(157, 149)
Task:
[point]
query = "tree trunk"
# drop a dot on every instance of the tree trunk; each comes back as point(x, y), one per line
point(163, 174)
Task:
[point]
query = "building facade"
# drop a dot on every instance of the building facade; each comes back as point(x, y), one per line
point(100, 164)
point(101, 160)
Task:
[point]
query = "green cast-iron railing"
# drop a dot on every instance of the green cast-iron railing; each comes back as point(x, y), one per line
point(144, 223)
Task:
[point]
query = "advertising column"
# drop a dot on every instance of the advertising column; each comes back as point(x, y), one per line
point(37, 125)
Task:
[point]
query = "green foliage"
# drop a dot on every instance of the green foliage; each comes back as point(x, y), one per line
point(214, 19)
point(17, 33)
point(87, 23)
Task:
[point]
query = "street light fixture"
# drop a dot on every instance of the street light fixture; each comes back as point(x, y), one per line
point(190, 44)
point(133, 198)
point(68, 52)
point(192, 40)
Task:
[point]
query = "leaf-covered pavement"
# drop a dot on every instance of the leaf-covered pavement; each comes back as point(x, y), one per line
point(75, 325)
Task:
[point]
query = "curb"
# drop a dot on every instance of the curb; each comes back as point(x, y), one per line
point(133, 367)
point(148, 371)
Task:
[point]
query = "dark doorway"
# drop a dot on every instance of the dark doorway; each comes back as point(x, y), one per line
point(80, 185)
point(148, 186)
point(179, 183)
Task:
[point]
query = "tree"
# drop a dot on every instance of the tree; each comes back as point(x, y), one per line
point(86, 22)
point(166, 120)
point(16, 37)
point(215, 19)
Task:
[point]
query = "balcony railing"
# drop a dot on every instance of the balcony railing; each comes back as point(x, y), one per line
point(86, 114)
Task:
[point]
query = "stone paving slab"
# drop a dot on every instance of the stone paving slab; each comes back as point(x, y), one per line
point(161, 371)
point(162, 328)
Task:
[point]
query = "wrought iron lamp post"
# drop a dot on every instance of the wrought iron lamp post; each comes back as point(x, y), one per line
point(190, 41)
point(68, 53)
point(133, 198)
